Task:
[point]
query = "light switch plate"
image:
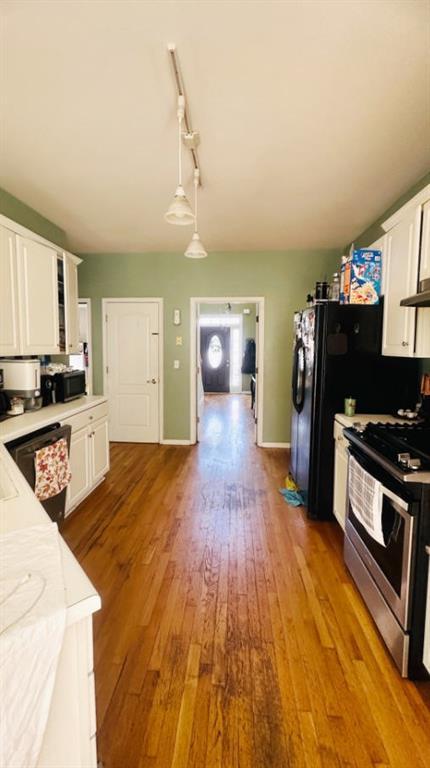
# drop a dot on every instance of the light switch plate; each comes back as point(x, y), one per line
point(176, 364)
point(176, 317)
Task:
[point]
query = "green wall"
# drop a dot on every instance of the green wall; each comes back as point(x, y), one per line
point(248, 327)
point(14, 209)
point(283, 278)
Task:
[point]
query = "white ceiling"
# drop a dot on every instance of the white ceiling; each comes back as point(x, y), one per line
point(314, 117)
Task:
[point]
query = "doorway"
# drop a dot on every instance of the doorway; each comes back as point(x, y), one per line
point(226, 365)
point(132, 350)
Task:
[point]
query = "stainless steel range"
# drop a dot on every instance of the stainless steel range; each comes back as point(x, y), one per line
point(387, 531)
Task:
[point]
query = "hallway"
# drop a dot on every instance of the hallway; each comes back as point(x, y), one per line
point(231, 635)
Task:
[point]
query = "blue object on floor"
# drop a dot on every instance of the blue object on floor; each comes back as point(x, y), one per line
point(294, 498)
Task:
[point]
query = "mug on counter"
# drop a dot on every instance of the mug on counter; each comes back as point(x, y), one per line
point(349, 407)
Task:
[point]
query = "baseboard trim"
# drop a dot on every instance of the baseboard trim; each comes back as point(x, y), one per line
point(175, 442)
point(275, 445)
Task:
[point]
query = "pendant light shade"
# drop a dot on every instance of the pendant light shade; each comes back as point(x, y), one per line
point(179, 211)
point(196, 249)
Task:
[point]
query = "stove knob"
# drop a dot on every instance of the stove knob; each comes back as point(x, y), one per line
point(414, 463)
point(404, 458)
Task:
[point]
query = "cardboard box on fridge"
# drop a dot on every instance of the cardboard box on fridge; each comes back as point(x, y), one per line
point(362, 277)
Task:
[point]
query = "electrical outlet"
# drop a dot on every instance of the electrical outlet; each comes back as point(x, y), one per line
point(179, 341)
point(176, 364)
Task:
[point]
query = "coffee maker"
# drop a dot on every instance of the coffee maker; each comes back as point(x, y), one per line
point(21, 379)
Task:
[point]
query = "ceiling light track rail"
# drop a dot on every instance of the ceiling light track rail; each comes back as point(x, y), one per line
point(187, 121)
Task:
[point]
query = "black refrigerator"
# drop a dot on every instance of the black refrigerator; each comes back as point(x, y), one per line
point(337, 354)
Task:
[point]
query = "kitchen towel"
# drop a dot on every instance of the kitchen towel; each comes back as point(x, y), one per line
point(32, 623)
point(52, 469)
point(365, 496)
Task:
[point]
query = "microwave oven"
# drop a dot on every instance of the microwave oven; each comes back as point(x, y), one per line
point(69, 385)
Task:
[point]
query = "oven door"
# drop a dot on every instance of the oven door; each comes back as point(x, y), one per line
point(390, 564)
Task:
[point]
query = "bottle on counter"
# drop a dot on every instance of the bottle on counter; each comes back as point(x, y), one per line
point(335, 287)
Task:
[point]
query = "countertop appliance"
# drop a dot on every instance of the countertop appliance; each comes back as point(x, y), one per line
point(337, 355)
point(392, 574)
point(4, 399)
point(23, 452)
point(47, 388)
point(22, 379)
point(69, 385)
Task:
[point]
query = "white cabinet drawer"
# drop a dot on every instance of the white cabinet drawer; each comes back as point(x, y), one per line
point(87, 417)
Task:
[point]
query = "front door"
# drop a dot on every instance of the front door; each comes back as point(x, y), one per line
point(132, 373)
point(215, 359)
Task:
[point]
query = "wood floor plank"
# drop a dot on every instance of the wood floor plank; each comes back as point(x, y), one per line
point(231, 634)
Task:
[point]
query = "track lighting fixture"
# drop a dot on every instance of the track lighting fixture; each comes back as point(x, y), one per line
point(195, 248)
point(179, 211)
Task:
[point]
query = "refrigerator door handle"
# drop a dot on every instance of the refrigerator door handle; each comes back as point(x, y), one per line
point(298, 384)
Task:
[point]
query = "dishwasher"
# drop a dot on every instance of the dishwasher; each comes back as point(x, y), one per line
point(23, 451)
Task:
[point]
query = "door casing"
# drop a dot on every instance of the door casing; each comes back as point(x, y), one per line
point(194, 336)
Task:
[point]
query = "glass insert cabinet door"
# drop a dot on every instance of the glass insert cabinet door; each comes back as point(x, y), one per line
point(215, 359)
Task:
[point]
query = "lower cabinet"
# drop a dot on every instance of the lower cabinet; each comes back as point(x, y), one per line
point(340, 474)
point(89, 453)
point(426, 654)
point(70, 736)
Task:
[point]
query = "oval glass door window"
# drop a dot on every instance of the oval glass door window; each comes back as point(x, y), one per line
point(215, 352)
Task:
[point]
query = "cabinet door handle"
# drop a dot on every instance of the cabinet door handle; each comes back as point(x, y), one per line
point(405, 343)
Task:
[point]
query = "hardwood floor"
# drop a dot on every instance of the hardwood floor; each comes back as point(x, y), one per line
point(231, 634)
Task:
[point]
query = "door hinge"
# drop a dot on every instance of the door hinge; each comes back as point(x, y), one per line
point(256, 420)
point(257, 319)
point(256, 370)
point(106, 318)
point(107, 369)
point(198, 419)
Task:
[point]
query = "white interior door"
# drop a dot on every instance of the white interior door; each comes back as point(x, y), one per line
point(132, 370)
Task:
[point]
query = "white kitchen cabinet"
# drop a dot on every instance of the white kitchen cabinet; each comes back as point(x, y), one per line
point(38, 298)
point(426, 653)
point(9, 305)
point(80, 484)
point(89, 453)
point(99, 450)
point(401, 274)
point(70, 736)
point(406, 260)
point(30, 312)
point(71, 304)
point(340, 474)
point(425, 244)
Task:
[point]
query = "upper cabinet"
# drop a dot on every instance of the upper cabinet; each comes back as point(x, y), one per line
point(405, 249)
point(38, 288)
point(38, 296)
point(71, 305)
point(9, 320)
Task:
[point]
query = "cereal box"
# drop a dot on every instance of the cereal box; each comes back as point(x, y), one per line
point(363, 277)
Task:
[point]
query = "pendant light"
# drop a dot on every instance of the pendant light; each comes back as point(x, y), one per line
point(179, 211)
point(195, 249)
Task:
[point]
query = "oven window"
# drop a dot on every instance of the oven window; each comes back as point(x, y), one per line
point(388, 558)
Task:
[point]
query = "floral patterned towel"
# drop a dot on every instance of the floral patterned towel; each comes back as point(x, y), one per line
point(52, 470)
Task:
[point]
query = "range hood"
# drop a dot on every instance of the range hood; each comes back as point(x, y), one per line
point(420, 299)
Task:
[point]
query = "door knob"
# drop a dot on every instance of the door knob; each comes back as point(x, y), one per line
point(151, 381)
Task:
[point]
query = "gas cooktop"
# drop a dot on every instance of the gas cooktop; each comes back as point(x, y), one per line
point(403, 448)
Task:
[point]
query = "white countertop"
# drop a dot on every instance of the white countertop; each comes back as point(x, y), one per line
point(19, 507)
point(365, 418)
point(17, 426)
